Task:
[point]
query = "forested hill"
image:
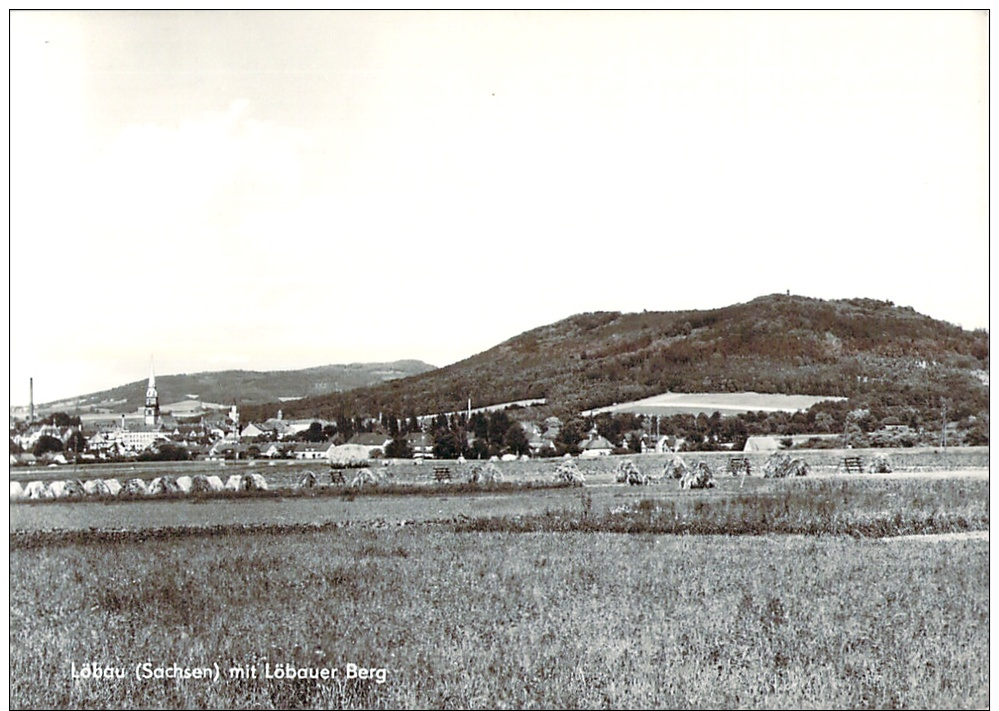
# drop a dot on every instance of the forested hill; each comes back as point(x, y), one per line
point(248, 387)
point(879, 355)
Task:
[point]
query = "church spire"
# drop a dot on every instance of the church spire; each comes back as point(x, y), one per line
point(151, 412)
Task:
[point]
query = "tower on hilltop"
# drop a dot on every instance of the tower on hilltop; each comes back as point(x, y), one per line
point(151, 412)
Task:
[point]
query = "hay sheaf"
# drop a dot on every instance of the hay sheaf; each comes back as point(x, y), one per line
point(308, 480)
point(488, 474)
point(201, 484)
point(134, 487)
point(569, 473)
point(780, 465)
point(365, 476)
point(628, 471)
point(699, 476)
point(880, 464)
point(675, 468)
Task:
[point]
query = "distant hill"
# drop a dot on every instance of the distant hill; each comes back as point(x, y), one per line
point(244, 387)
point(887, 358)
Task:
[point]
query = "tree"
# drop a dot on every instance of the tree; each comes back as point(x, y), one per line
point(572, 433)
point(480, 449)
point(61, 419)
point(166, 452)
point(446, 445)
point(499, 425)
point(76, 443)
point(314, 433)
point(515, 440)
point(46, 444)
point(344, 426)
point(479, 424)
point(399, 448)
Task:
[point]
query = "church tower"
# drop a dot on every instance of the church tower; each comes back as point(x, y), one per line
point(152, 410)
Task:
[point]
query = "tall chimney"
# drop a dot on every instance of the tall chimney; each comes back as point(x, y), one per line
point(31, 396)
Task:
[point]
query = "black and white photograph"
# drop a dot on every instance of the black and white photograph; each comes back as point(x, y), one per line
point(508, 359)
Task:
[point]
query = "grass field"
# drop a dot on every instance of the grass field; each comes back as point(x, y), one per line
point(473, 620)
point(558, 598)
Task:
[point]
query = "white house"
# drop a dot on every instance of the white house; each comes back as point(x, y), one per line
point(371, 441)
point(595, 446)
point(312, 450)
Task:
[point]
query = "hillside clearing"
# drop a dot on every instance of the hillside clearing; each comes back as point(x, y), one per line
point(708, 403)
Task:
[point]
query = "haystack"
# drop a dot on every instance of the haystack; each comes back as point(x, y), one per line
point(96, 487)
point(780, 465)
point(569, 473)
point(162, 485)
point(35, 490)
point(65, 489)
point(134, 487)
point(364, 476)
point(880, 464)
point(16, 491)
point(234, 483)
point(675, 468)
point(254, 482)
point(74, 488)
point(627, 471)
point(798, 468)
point(349, 455)
point(114, 486)
point(488, 474)
point(308, 480)
point(201, 484)
point(184, 483)
point(699, 476)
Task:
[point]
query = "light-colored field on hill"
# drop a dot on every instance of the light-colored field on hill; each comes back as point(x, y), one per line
point(708, 403)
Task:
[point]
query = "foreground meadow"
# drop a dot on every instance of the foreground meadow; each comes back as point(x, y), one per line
point(793, 593)
point(505, 620)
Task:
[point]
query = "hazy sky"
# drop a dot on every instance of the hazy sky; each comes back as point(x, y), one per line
point(278, 190)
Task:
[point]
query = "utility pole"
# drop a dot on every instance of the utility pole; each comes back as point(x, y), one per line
point(943, 433)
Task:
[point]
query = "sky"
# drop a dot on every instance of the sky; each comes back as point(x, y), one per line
point(281, 190)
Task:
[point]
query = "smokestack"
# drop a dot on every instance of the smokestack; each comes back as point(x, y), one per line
point(31, 396)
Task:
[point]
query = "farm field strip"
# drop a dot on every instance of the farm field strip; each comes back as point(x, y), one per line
point(864, 505)
point(285, 473)
point(141, 514)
